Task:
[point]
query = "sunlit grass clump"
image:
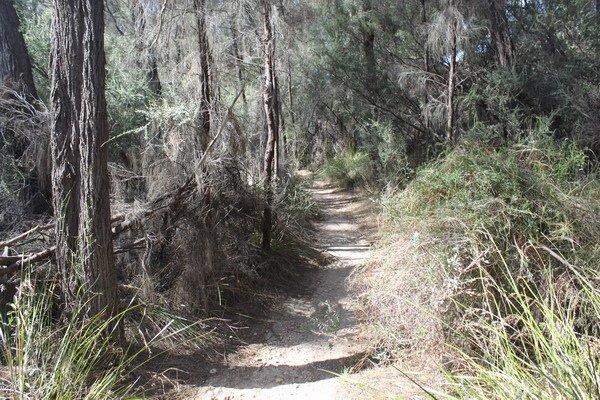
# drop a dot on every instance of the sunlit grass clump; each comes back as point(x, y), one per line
point(348, 169)
point(536, 351)
point(50, 360)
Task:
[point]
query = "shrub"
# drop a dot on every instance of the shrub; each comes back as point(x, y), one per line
point(348, 169)
point(47, 361)
point(74, 358)
point(471, 226)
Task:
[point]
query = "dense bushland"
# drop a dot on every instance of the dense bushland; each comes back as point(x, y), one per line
point(477, 121)
point(493, 252)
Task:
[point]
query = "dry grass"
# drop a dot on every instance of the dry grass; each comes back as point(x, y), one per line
point(478, 213)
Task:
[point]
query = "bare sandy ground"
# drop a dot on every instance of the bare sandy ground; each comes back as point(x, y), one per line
point(311, 342)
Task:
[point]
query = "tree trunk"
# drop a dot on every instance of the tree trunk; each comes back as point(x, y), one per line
point(16, 73)
point(451, 83)
point(204, 75)
point(501, 40)
point(238, 59)
point(426, 61)
point(272, 123)
point(146, 60)
point(368, 34)
point(84, 248)
point(15, 65)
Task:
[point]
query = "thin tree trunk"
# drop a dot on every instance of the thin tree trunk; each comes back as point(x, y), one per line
point(501, 38)
point(291, 92)
point(204, 74)
point(451, 84)
point(84, 248)
point(282, 159)
point(238, 59)
point(369, 49)
point(427, 63)
point(272, 123)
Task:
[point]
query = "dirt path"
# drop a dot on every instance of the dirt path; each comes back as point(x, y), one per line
point(313, 335)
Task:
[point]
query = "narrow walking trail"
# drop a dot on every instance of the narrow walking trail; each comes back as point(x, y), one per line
point(314, 335)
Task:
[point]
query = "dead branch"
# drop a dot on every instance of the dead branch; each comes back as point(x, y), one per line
point(25, 235)
point(173, 199)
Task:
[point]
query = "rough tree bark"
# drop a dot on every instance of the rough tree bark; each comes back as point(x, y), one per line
point(16, 73)
point(501, 39)
point(272, 122)
point(15, 65)
point(84, 248)
point(204, 74)
point(451, 81)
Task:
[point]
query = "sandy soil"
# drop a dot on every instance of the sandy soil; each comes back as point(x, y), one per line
point(310, 342)
point(313, 335)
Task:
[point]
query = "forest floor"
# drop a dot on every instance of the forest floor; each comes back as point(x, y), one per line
point(311, 340)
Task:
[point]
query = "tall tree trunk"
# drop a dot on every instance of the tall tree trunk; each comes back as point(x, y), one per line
point(80, 173)
point(427, 63)
point(204, 74)
point(238, 58)
point(146, 60)
point(501, 39)
point(272, 123)
point(368, 36)
point(291, 93)
point(15, 65)
point(16, 73)
point(451, 82)
point(282, 159)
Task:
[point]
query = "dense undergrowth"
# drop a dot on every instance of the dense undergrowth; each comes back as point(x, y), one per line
point(489, 259)
point(210, 265)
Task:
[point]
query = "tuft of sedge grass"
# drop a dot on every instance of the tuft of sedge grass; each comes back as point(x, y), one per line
point(74, 358)
point(534, 349)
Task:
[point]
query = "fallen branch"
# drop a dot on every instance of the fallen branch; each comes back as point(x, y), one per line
point(32, 258)
point(25, 235)
point(9, 264)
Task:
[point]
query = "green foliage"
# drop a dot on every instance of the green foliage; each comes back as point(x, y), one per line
point(348, 169)
point(472, 224)
point(36, 18)
point(535, 352)
point(295, 200)
point(74, 361)
point(513, 191)
point(388, 147)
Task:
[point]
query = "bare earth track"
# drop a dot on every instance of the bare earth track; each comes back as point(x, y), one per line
point(313, 335)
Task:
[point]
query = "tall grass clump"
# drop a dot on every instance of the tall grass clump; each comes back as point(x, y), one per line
point(74, 356)
point(535, 350)
point(486, 236)
point(48, 360)
point(348, 169)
